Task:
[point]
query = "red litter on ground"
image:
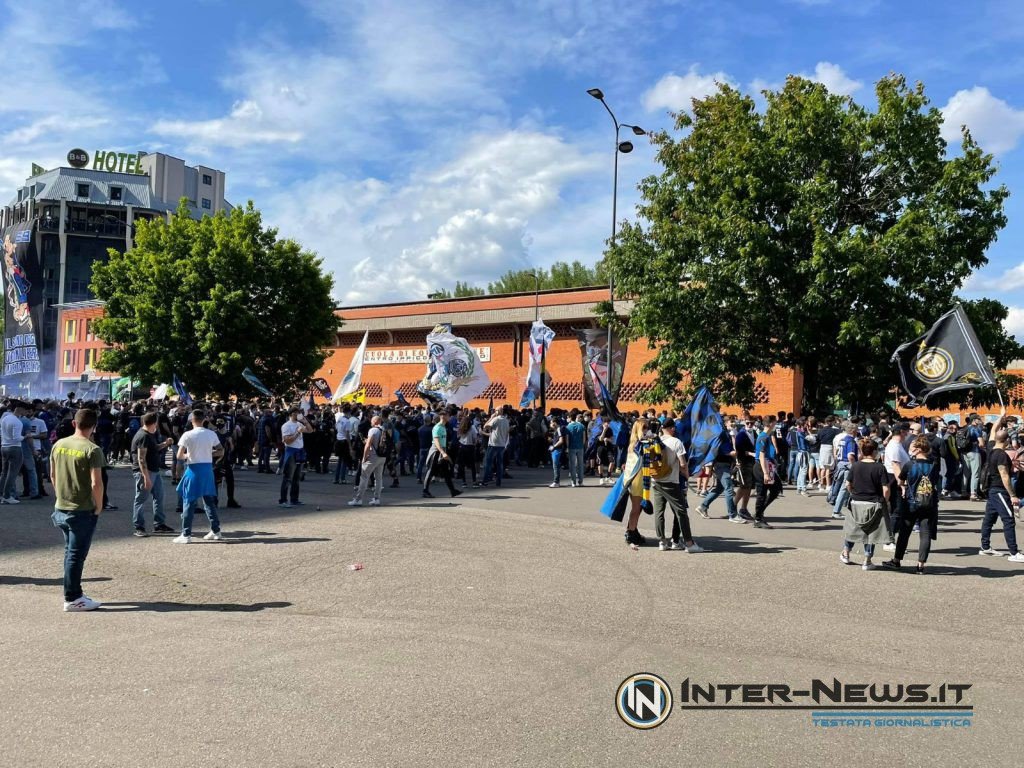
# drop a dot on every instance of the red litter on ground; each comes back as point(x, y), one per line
point(356, 567)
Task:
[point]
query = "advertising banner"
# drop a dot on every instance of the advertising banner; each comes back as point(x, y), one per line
point(23, 305)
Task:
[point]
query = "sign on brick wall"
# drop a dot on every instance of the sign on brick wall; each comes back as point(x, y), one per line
point(414, 355)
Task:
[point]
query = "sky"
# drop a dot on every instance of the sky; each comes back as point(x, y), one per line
point(413, 143)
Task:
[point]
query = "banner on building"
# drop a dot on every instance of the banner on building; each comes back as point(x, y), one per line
point(353, 377)
point(594, 353)
point(540, 342)
point(946, 358)
point(23, 305)
point(455, 374)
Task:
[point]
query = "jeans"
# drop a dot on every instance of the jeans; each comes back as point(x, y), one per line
point(156, 493)
point(263, 462)
point(576, 465)
point(373, 468)
point(556, 466)
point(342, 452)
point(972, 470)
point(494, 461)
point(290, 472)
point(869, 549)
point(188, 511)
point(77, 528)
point(28, 466)
point(800, 459)
point(842, 500)
point(12, 457)
point(998, 506)
point(421, 463)
point(723, 473)
point(954, 480)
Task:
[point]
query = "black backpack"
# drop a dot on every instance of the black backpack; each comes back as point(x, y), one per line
point(65, 428)
point(963, 439)
point(386, 445)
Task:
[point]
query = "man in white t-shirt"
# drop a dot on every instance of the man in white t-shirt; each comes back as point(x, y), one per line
point(198, 448)
point(668, 489)
point(294, 454)
point(896, 458)
point(372, 466)
point(342, 446)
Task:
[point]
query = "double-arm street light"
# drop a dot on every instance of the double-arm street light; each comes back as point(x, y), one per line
point(625, 147)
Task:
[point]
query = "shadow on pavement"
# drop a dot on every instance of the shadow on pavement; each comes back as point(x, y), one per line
point(946, 570)
point(230, 538)
point(165, 607)
point(41, 582)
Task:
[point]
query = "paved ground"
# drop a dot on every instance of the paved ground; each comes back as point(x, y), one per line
point(493, 631)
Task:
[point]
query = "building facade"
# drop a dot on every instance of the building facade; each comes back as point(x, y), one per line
point(62, 221)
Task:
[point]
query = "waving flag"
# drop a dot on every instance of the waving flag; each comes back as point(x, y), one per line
point(183, 394)
point(540, 342)
point(353, 378)
point(458, 375)
point(321, 387)
point(359, 396)
point(948, 357)
point(258, 385)
point(702, 428)
point(401, 398)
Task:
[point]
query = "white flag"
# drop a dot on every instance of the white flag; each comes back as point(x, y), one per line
point(350, 381)
point(458, 374)
point(161, 392)
point(540, 343)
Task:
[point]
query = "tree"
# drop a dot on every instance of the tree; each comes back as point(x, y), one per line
point(206, 299)
point(814, 234)
point(461, 290)
point(561, 275)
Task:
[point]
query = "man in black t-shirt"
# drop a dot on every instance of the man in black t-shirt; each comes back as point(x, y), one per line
point(1001, 499)
point(146, 457)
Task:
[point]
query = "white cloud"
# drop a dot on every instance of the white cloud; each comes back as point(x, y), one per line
point(676, 92)
point(1011, 280)
point(1014, 323)
point(994, 124)
point(244, 126)
point(832, 77)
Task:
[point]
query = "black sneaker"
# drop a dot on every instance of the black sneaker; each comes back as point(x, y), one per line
point(394, 483)
point(109, 507)
point(140, 532)
point(746, 515)
point(232, 504)
point(456, 492)
point(892, 565)
point(427, 495)
point(761, 524)
point(163, 529)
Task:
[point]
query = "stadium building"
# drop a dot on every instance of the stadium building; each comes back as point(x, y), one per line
point(57, 225)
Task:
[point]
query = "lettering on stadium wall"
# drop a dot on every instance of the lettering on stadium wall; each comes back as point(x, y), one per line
point(415, 355)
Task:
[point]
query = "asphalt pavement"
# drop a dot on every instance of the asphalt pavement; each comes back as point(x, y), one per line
point(493, 629)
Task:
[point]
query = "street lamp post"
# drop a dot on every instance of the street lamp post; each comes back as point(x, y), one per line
point(625, 147)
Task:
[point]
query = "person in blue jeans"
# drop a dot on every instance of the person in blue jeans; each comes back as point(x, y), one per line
point(146, 457)
point(723, 465)
point(971, 457)
point(294, 454)
point(76, 466)
point(577, 435)
point(559, 444)
point(199, 447)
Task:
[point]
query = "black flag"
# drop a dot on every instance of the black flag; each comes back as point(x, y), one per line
point(946, 358)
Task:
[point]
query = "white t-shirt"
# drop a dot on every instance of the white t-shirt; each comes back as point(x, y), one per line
point(199, 443)
point(40, 427)
point(291, 428)
point(342, 426)
point(895, 453)
point(673, 456)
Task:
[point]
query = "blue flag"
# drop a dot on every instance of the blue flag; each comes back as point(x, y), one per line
point(401, 397)
point(702, 428)
point(179, 387)
point(258, 385)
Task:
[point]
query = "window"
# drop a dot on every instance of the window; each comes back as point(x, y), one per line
point(88, 330)
point(115, 193)
point(207, 179)
point(70, 330)
point(83, 190)
point(206, 203)
point(67, 361)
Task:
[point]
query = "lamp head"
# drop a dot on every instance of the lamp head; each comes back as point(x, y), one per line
point(638, 131)
point(626, 147)
point(596, 93)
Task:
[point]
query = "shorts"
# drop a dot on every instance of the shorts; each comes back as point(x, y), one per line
point(606, 455)
point(705, 471)
point(743, 475)
point(826, 457)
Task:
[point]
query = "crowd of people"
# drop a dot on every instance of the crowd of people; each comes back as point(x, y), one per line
point(883, 480)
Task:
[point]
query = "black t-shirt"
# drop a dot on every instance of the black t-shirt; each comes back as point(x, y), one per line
point(781, 430)
point(997, 457)
point(826, 436)
point(143, 438)
point(867, 478)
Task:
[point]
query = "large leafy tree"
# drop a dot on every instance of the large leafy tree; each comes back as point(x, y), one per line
point(206, 299)
point(813, 233)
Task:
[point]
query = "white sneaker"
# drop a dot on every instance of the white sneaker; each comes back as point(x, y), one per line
point(868, 566)
point(889, 547)
point(675, 545)
point(374, 502)
point(81, 604)
point(695, 548)
point(1018, 558)
point(355, 503)
point(990, 551)
point(211, 536)
point(167, 473)
point(663, 545)
point(844, 558)
point(11, 500)
point(554, 485)
point(181, 539)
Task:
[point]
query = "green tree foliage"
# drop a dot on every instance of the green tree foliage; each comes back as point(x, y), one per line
point(461, 290)
point(206, 299)
point(561, 275)
point(816, 234)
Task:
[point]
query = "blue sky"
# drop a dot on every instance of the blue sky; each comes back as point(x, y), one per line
point(412, 143)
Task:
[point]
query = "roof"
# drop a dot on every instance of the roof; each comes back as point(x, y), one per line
point(499, 301)
point(63, 183)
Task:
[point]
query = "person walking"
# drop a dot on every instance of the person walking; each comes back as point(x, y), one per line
point(198, 448)
point(1001, 500)
point(970, 446)
point(919, 485)
point(868, 486)
point(767, 482)
point(372, 465)
point(75, 469)
point(496, 430)
point(438, 461)
point(12, 438)
point(146, 454)
point(467, 449)
point(576, 431)
point(292, 432)
point(722, 467)
point(559, 443)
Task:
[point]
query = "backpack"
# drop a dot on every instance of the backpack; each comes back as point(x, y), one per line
point(921, 493)
point(386, 445)
point(65, 428)
point(963, 439)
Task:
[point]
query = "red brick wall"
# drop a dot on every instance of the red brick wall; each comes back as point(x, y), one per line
point(76, 350)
